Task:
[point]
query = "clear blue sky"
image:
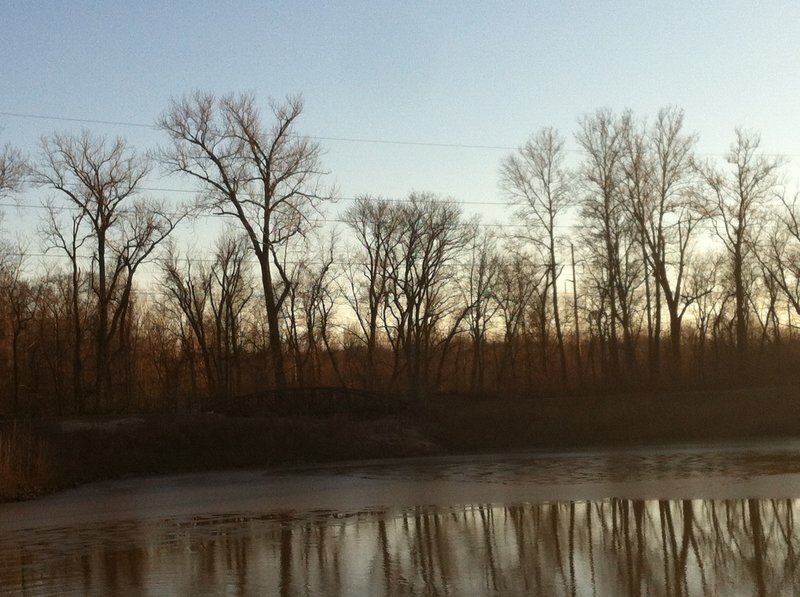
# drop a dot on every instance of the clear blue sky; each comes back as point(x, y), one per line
point(472, 73)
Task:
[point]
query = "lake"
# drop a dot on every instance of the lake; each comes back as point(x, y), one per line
point(672, 520)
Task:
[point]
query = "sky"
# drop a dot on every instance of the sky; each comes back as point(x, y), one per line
point(447, 88)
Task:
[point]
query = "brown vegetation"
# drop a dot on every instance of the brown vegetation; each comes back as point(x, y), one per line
point(634, 267)
point(26, 460)
point(685, 276)
point(42, 456)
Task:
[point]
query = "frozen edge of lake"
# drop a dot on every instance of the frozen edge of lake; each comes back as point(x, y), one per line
point(678, 471)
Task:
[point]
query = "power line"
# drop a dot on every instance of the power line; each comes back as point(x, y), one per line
point(366, 140)
point(334, 199)
point(421, 143)
point(251, 261)
point(80, 120)
point(315, 137)
point(217, 215)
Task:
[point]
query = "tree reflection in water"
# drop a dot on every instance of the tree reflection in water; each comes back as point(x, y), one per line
point(657, 547)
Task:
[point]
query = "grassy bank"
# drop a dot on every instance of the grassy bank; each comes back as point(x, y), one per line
point(43, 456)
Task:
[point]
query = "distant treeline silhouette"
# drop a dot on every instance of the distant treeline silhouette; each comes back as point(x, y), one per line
point(639, 266)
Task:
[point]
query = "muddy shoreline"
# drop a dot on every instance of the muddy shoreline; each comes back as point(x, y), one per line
point(74, 451)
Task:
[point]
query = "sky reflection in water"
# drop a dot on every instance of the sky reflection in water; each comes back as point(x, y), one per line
point(573, 547)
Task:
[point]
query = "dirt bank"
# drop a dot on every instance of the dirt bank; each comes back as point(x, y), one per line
point(73, 451)
point(79, 450)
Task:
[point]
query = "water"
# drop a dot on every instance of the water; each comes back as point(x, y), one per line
point(686, 520)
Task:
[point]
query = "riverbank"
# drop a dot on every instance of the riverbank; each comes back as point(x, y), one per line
point(44, 456)
point(73, 451)
point(612, 420)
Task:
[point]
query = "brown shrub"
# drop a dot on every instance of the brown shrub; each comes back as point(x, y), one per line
point(25, 460)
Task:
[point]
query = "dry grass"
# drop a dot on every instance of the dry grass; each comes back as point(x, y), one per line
point(48, 456)
point(25, 460)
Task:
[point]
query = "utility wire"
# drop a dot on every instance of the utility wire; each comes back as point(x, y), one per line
point(217, 215)
point(365, 140)
point(80, 120)
point(315, 137)
point(252, 261)
point(334, 200)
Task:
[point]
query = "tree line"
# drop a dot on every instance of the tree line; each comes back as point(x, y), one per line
point(635, 264)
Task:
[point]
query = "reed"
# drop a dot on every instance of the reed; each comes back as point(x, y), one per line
point(25, 464)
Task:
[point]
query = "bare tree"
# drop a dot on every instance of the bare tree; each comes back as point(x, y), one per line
point(608, 232)
point(737, 196)
point(536, 181)
point(375, 226)
point(267, 177)
point(234, 289)
point(164, 359)
point(21, 299)
point(764, 295)
point(211, 299)
point(398, 281)
point(12, 170)
point(420, 274)
point(707, 299)
point(326, 300)
point(516, 284)
point(638, 181)
point(664, 204)
point(781, 255)
point(309, 312)
point(101, 179)
point(482, 264)
point(187, 290)
point(70, 239)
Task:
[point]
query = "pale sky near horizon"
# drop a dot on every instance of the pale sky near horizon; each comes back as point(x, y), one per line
point(460, 73)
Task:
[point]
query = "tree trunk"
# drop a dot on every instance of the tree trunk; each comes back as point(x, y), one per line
point(275, 348)
point(556, 316)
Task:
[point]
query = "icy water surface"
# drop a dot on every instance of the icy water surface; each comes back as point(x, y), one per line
point(686, 520)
